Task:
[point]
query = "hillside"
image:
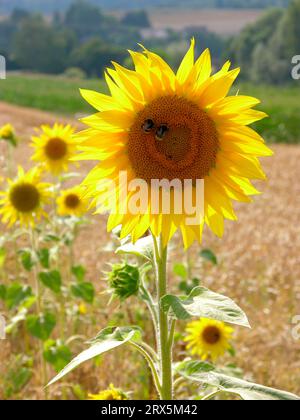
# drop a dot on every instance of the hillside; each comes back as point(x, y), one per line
point(48, 6)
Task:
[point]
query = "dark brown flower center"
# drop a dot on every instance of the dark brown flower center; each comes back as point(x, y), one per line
point(182, 142)
point(25, 198)
point(72, 201)
point(211, 335)
point(56, 149)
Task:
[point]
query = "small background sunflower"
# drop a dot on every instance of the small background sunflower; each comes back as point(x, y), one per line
point(54, 147)
point(71, 203)
point(25, 198)
point(208, 339)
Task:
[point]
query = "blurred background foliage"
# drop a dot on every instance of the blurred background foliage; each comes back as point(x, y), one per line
point(77, 39)
point(86, 37)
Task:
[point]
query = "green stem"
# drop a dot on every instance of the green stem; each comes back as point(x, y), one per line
point(10, 161)
point(165, 337)
point(39, 308)
point(211, 396)
point(151, 365)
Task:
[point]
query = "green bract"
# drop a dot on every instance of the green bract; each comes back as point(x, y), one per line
point(124, 280)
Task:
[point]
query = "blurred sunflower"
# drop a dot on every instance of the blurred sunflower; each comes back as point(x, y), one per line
point(160, 125)
point(54, 147)
point(109, 394)
point(7, 132)
point(71, 203)
point(25, 198)
point(208, 338)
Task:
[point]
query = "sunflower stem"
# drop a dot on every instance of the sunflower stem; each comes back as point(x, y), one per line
point(34, 246)
point(165, 337)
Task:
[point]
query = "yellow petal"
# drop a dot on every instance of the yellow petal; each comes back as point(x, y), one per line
point(187, 64)
point(99, 101)
point(218, 89)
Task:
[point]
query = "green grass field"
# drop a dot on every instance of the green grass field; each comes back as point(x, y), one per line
point(61, 96)
point(48, 93)
point(282, 104)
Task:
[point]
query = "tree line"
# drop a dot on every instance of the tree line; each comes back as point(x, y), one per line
point(265, 49)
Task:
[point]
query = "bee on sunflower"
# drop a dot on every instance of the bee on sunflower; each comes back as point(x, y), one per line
point(25, 198)
point(208, 339)
point(157, 124)
point(71, 202)
point(54, 147)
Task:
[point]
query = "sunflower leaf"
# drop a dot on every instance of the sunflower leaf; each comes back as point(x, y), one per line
point(52, 280)
point(208, 255)
point(106, 340)
point(204, 303)
point(142, 248)
point(207, 374)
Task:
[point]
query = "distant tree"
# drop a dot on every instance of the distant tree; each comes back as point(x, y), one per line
point(7, 30)
point(292, 30)
point(84, 19)
point(137, 18)
point(8, 27)
point(57, 19)
point(39, 47)
point(94, 55)
point(242, 46)
point(18, 15)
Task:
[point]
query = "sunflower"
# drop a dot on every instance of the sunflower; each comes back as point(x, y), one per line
point(25, 198)
point(208, 338)
point(72, 203)
point(54, 147)
point(160, 125)
point(109, 394)
point(7, 132)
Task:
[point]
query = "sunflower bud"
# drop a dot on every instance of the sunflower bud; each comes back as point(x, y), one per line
point(124, 280)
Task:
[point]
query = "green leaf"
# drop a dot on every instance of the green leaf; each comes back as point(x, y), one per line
point(16, 293)
point(187, 286)
point(142, 248)
point(79, 272)
point(79, 392)
point(27, 259)
point(41, 326)
point(3, 290)
point(57, 354)
point(180, 270)
point(208, 255)
point(44, 257)
point(52, 280)
point(203, 303)
point(207, 374)
point(2, 256)
point(17, 379)
point(108, 339)
point(84, 290)
point(51, 238)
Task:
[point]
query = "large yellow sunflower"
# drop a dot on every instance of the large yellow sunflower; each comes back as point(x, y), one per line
point(54, 147)
point(72, 203)
point(25, 198)
point(160, 125)
point(208, 338)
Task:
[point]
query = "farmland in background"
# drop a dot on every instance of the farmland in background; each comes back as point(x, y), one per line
point(61, 96)
point(223, 22)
